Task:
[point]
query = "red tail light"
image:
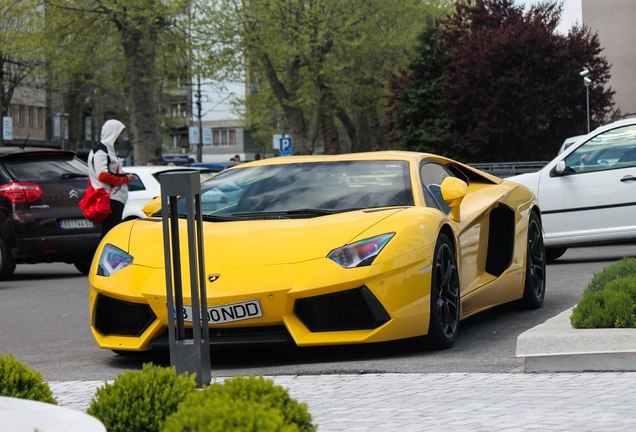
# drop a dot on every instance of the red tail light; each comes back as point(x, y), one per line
point(20, 192)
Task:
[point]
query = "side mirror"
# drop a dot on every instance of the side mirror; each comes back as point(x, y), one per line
point(453, 191)
point(560, 167)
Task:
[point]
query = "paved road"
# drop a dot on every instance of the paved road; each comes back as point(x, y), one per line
point(44, 322)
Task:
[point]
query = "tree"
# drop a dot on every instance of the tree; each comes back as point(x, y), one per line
point(416, 114)
point(94, 43)
point(512, 90)
point(320, 61)
point(20, 58)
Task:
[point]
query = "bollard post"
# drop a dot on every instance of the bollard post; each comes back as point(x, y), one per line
point(187, 354)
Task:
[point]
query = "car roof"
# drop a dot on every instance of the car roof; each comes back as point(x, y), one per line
point(13, 151)
point(152, 169)
point(212, 165)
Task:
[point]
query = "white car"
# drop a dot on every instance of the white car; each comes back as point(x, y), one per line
point(587, 193)
point(145, 188)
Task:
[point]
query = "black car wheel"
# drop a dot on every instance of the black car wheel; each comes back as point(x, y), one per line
point(553, 254)
point(534, 288)
point(7, 263)
point(445, 306)
point(83, 265)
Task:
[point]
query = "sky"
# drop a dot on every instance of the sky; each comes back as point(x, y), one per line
point(215, 104)
point(571, 13)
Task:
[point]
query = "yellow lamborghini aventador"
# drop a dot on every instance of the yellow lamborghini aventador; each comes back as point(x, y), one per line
point(325, 250)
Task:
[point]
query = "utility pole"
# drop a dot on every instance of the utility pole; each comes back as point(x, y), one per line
point(200, 143)
point(1, 100)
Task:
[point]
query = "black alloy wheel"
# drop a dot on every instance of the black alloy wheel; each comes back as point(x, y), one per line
point(534, 288)
point(445, 305)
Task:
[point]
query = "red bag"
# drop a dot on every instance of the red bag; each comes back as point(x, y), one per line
point(96, 204)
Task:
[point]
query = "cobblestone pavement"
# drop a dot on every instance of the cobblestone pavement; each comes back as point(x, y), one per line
point(602, 401)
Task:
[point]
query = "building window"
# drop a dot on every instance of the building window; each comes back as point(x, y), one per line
point(216, 138)
point(30, 117)
point(19, 114)
point(232, 135)
point(38, 118)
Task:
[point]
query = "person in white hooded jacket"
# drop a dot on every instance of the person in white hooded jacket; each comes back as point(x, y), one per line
point(105, 172)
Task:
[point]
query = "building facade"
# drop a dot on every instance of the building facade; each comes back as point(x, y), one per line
point(613, 21)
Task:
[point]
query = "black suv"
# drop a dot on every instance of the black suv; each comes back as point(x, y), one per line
point(40, 218)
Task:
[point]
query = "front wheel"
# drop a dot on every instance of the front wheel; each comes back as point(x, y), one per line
point(534, 287)
point(553, 254)
point(83, 265)
point(445, 306)
point(7, 263)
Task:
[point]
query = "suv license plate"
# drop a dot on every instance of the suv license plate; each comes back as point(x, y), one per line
point(76, 224)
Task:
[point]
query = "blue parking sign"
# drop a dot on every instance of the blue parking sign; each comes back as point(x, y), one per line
point(286, 146)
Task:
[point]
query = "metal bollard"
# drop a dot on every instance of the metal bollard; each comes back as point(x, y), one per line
point(186, 354)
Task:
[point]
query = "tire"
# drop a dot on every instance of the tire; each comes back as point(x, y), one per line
point(534, 286)
point(7, 263)
point(553, 254)
point(83, 265)
point(445, 303)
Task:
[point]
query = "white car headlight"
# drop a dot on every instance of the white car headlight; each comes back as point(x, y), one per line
point(360, 254)
point(112, 260)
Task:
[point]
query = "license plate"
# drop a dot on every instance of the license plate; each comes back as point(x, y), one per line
point(76, 224)
point(228, 313)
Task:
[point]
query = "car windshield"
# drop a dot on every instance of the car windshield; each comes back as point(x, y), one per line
point(302, 190)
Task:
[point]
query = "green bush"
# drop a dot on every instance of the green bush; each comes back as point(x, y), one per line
point(228, 415)
point(19, 381)
point(279, 411)
point(612, 306)
point(141, 400)
point(620, 269)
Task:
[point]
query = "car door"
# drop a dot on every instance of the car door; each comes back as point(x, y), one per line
point(589, 194)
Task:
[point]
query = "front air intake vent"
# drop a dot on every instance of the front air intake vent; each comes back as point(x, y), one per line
point(117, 317)
point(355, 309)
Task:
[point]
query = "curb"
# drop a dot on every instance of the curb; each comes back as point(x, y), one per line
point(555, 346)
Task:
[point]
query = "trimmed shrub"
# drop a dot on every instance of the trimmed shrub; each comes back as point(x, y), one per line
point(228, 415)
point(258, 393)
point(614, 306)
point(620, 269)
point(141, 400)
point(19, 381)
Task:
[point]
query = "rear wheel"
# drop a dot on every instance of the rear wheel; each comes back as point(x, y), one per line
point(7, 263)
point(553, 254)
point(534, 288)
point(444, 316)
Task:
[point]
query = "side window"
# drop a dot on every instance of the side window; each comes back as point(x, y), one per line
point(136, 185)
point(612, 149)
point(432, 174)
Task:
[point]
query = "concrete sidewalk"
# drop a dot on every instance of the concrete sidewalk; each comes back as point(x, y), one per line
point(448, 402)
point(555, 346)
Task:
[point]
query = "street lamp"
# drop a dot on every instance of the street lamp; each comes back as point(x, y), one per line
point(587, 81)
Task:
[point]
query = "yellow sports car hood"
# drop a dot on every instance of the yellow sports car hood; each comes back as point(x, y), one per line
point(259, 242)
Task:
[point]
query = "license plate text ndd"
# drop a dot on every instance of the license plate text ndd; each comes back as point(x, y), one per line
point(228, 313)
point(76, 224)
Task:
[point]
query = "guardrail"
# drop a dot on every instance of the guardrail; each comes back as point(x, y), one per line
point(508, 169)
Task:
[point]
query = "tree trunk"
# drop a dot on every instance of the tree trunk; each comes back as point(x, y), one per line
point(330, 135)
point(139, 48)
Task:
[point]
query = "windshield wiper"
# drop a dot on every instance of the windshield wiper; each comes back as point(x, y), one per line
point(73, 175)
point(320, 212)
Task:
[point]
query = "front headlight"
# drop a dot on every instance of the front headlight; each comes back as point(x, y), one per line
point(112, 260)
point(360, 254)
